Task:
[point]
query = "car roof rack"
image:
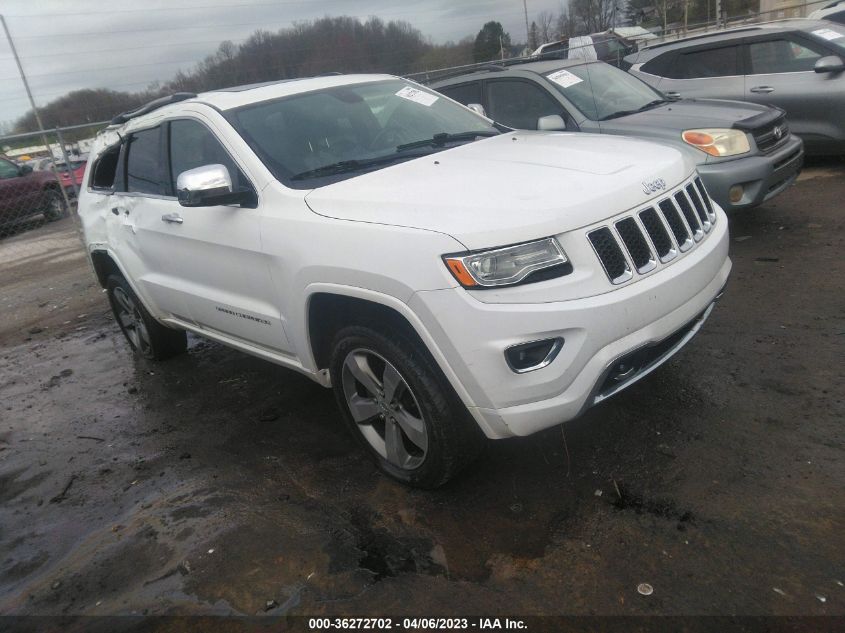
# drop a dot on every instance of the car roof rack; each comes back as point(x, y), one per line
point(429, 76)
point(692, 38)
point(155, 104)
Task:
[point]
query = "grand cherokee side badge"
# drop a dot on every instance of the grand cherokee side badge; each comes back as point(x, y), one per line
point(653, 186)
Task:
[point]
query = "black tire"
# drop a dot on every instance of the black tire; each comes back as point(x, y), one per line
point(453, 439)
point(54, 205)
point(146, 336)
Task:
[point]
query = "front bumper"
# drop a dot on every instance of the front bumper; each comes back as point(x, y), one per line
point(762, 176)
point(598, 332)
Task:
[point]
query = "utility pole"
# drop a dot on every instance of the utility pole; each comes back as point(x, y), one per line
point(32, 104)
point(527, 28)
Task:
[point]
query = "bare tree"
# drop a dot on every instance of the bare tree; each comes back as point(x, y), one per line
point(593, 15)
point(545, 27)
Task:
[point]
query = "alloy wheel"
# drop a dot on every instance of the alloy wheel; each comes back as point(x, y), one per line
point(132, 321)
point(385, 408)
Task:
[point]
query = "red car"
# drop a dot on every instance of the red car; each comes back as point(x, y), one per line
point(24, 193)
point(78, 171)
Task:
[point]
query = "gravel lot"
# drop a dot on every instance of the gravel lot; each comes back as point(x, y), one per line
point(220, 484)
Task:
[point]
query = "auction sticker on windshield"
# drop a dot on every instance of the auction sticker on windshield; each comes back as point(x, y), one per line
point(564, 78)
point(417, 96)
point(828, 34)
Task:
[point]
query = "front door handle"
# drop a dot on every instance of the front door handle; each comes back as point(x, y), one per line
point(173, 218)
point(673, 95)
point(762, 89)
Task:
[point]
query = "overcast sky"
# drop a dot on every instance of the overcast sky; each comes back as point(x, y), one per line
point(126, 44)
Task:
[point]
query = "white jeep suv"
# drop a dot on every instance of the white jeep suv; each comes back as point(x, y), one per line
point(448, 278)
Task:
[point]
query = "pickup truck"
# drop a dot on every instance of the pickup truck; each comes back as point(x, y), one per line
point(449, 279)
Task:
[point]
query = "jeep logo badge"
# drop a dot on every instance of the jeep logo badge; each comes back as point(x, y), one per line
point(658, 184)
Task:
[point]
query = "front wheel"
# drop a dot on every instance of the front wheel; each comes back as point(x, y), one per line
point(54, 205)
point(398, 404)
point(146, 336)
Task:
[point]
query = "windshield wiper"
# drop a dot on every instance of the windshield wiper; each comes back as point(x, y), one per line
point(346, 166)
point(621, 113)
point(442, 138)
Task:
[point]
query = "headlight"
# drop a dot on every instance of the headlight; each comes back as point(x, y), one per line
point(718, 142)
point(509, 265)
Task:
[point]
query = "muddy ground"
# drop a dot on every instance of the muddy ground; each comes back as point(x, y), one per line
point(217, 483)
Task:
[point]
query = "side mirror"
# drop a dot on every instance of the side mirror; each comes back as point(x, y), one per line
point(477, 108)
point(25, 169)
point(552, 122)
point(830, 64)
point(210, 186)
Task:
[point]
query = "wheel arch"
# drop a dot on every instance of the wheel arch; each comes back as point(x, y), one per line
point(329, 308)
point(104, 265)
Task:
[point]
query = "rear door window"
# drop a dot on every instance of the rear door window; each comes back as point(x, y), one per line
point(519, 104)
point(105, 169)
point(144, 173)
point(710, 62)
point(781, 56)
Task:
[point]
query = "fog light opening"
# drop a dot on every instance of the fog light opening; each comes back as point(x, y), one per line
point(735, 193)
point(534, 355)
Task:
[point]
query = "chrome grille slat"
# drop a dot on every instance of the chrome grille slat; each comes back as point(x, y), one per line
point(636, 244)
point(693, 195)
point(679, 228)
point(692, 221)
point(610, 255)
point(650, 237)
point(710, 212)
point(658, 233)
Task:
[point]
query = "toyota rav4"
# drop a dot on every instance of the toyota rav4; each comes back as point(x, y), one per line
point(449, 279)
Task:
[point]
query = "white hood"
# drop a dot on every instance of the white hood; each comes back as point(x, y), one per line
point(509, 188)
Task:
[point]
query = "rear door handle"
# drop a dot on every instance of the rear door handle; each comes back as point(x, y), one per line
point(762, 89)
point(173, 218)
point(673, 95)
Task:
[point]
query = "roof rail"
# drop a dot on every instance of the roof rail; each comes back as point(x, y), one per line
point(702, 36)
point(427, 77)
point(152, 105)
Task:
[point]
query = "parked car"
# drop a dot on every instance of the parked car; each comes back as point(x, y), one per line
point(744, 151)
point(72, 176)
point(608, 46)
point(447, 280)
point(834, 12)
point(25, 193)
point(796, 65)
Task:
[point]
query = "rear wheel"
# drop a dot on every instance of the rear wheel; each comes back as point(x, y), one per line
point(146, 336)
point(54, 205)
point(398, 404)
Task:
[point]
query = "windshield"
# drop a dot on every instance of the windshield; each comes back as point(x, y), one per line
point(601, 91)
point(311, 139)
point(833, 34)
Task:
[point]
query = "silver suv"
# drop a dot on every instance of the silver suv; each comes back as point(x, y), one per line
point(796, 65)
point(745, 153)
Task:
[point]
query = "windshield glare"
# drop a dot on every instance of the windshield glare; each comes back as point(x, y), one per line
point(301, 133)
point(600, 90)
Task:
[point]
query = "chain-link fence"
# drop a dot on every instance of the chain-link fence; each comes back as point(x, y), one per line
point(42, 259)
point(40, 177)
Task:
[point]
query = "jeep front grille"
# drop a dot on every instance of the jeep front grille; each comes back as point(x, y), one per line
point(638, 241)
